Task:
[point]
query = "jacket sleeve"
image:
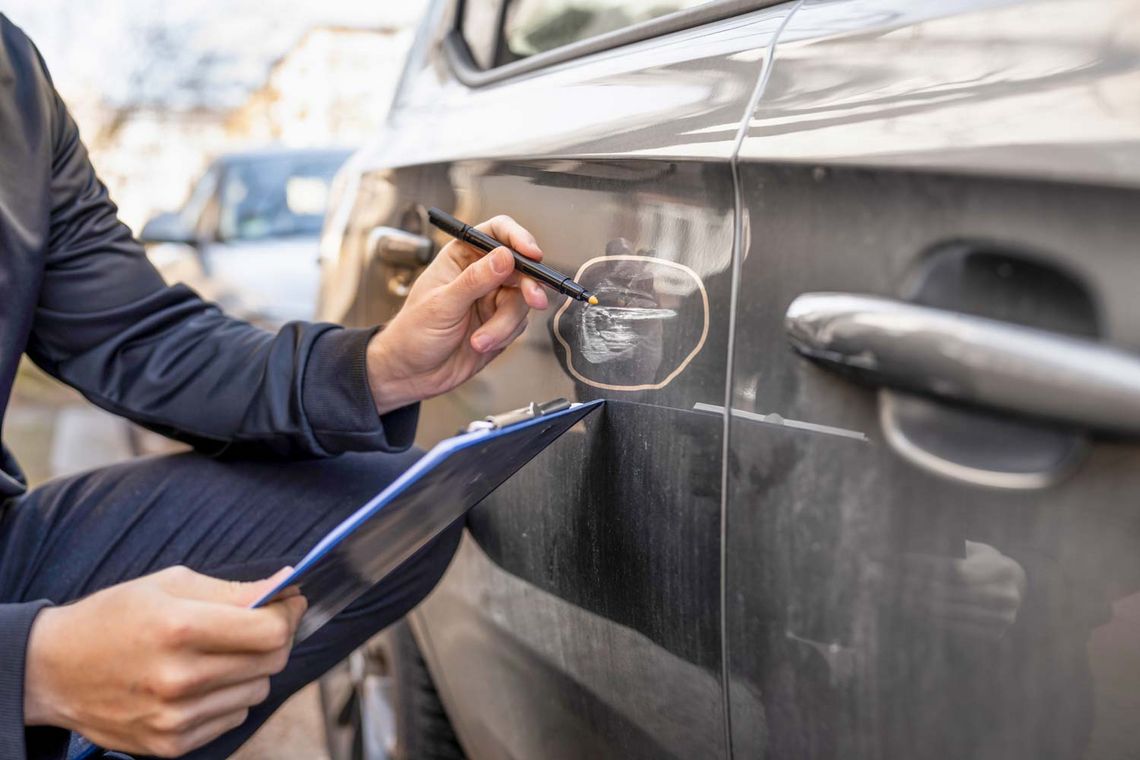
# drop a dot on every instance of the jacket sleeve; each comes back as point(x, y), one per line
point(15, 625)
point(107, 325)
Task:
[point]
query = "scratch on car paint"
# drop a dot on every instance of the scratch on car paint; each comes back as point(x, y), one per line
point(776, 419)
point(605, 334)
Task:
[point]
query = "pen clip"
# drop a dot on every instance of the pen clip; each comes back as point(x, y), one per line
point(515, 416)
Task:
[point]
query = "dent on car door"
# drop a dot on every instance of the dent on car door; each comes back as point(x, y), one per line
point(581, 617)
point(949, 572)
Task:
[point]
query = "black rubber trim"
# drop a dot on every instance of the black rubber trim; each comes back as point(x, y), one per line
point(469, 73)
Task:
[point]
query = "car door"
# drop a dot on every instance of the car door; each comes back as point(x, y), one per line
point(581, 617)
point(932, 526)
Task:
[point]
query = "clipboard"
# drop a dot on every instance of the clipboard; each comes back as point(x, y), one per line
point(454, 476)
point(442, 486)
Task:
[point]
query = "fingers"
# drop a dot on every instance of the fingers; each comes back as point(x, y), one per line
point(533, 293)
point(211, 672)
point(206, 627)
point(507, 230)
point(177, 744)
point(506, 323)
point(201, 710)
point(214, 616)
point(187, 584)
point(477, 280)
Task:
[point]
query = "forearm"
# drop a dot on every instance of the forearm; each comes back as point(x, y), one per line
point(179, 366)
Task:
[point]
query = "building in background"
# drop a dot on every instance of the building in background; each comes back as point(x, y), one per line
point(331, 88)
point(159, 89)
point(326, 88)
point(149, 156)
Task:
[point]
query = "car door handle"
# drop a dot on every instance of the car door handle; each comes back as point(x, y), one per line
point(399, 248)
point(969, 359)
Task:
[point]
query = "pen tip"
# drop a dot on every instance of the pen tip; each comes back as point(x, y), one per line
point(592, 300)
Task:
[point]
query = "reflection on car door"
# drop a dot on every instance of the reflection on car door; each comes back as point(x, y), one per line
point(912, 577)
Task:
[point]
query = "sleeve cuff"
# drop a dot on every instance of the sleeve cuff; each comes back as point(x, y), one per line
point(338, 400)
point(15, 625)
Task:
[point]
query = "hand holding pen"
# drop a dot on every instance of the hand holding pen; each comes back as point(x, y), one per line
point(473, 236)
point(461, 312)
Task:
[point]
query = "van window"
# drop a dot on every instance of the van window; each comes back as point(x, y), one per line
point(535, 26)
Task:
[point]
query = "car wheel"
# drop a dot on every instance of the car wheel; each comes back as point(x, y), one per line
point(381, 704)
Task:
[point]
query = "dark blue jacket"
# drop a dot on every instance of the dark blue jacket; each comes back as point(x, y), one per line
point(78, 296)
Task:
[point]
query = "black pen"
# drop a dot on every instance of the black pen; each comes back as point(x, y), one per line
point(551, 278)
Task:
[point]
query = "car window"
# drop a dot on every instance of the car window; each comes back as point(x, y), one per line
point(536, 26)
point(276, 197)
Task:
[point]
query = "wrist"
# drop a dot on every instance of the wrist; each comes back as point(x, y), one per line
point(43, 695)
point(390, 388)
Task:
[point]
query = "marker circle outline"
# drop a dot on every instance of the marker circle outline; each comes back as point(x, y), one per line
point(680, 367)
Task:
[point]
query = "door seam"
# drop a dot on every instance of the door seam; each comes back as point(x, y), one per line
point(734, 291)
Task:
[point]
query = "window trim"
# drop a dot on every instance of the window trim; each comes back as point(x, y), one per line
point(496, 41)
point(467, 71)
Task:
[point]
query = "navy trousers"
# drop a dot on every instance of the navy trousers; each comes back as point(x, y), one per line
point(233, 520)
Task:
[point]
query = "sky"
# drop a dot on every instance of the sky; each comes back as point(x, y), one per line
point(180, 53)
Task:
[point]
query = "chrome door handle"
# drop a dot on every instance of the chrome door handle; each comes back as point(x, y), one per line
point(399, 248)
point(970, 359)
point(404, 252)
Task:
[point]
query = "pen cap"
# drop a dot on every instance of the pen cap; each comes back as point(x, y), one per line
point(446, 222)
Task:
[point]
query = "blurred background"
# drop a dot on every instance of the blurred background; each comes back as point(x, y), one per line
point(221, 123)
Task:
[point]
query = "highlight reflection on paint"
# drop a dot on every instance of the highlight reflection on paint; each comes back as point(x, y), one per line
point(607, 333)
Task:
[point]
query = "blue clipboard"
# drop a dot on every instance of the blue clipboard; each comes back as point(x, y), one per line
point(445, 483)
point(437, 490)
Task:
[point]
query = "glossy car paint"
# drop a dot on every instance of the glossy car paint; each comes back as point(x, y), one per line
point(584, 619)
point(890, 136)
point(865, 574)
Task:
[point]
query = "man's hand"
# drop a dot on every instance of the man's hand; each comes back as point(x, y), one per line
point(160, 665)
point(461, 313)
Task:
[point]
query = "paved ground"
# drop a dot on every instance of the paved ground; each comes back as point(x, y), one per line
point(54, 432)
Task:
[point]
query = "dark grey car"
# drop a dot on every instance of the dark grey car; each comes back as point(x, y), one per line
point(896, 240)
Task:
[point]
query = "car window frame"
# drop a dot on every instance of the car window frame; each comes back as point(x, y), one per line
point(468, 72)
point(495, 42)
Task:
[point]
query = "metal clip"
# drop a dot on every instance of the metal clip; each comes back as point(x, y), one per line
point(515, 416)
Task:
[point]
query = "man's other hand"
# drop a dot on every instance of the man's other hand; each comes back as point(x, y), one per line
point(461, 313)
point(160, 665)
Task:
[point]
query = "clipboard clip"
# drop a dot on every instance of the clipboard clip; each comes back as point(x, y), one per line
point(515, 416)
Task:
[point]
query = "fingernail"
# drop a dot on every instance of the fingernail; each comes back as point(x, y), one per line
point(482, 342)
point(501, 261)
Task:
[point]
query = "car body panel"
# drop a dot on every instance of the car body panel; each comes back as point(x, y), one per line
point(678, 96)
point(621, 597)
point(669, 580)
point(650, 594)
point(892, 137)
point(1043, 90)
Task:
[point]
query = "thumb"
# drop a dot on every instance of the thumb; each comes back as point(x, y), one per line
point(480, 278)
point(191, 585)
